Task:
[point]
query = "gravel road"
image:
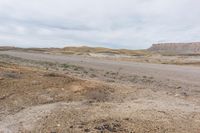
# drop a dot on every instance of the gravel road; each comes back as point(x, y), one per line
point(184, 74)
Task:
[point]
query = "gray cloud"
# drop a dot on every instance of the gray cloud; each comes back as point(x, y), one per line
point(110, 23)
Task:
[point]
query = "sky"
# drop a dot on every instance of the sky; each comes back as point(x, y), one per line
point(130, 24)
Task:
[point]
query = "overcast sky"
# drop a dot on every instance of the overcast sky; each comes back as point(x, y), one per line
point(133, 24)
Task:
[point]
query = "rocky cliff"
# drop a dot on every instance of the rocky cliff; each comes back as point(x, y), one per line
point(179, 48)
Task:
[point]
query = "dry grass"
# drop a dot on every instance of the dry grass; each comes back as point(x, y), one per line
point(87, 50)
point(84, 50)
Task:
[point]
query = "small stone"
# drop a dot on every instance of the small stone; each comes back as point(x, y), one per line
point(116, 125)
point(80, 126)
point(87, 130)
point(101, 128)
point(58, 125)
point(177, 95)
point(184, 94)
point(127, 119)
point(179, 87)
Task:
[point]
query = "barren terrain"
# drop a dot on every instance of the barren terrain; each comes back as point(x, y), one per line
point(70, 93)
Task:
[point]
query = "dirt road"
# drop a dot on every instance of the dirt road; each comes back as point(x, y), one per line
point(187, 77)
point(162, 72)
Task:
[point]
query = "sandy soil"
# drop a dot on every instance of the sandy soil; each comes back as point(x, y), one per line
point(57, 93)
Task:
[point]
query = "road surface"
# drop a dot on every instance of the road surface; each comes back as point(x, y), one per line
point(182, 74)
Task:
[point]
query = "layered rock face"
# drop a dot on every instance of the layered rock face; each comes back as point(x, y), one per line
point(179, 48)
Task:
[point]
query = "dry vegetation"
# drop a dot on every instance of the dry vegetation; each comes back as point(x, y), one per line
point(88, 50)
point(82, 50)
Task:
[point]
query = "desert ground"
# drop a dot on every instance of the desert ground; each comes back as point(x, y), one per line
point(79, 91)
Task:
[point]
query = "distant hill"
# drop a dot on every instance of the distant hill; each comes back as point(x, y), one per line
point(177, 48)
point(4, 48)
point(84, 50)
point(87, 50)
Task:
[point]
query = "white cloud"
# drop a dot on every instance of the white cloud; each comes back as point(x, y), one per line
point(111, 23)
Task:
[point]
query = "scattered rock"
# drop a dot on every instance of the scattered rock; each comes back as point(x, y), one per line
point(93, 75)
point(184, 94)
point(177, 95)
point(80, 126)
point(58, 125)
point(87, 130)
point(179, 87)
point(127, 119)
point(114, 127)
